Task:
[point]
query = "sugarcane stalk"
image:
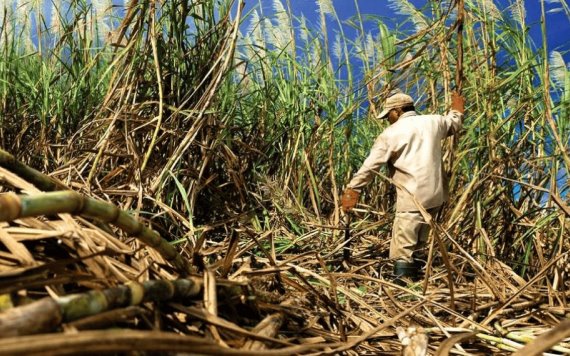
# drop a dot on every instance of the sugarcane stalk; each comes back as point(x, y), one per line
point(5, 302)
point(510, 339)
point(32, 318)
point(501, 341)
point(548, 340)
point(40, 180)
point(103, 211)
point(48, 313)
point(529, 338)
point(459, 68)
point(525, 338)
point(14, 206)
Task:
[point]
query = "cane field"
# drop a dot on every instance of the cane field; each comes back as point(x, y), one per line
point(171, 173)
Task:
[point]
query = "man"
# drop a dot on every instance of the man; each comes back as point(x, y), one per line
point(411, 146)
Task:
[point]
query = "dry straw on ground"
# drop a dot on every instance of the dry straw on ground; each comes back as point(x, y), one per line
point(75, 278)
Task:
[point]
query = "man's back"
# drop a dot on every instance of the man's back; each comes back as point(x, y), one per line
point(412, 146)
point(415, 141)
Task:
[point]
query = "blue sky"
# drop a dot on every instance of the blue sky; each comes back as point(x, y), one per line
point(558, 24)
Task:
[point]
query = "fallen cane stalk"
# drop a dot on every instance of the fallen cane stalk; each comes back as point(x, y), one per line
point(48, 313)
point(105, 212)
point(547, 340)
point(527, 339)
point(14, 206)
point(40, 180)
point(511, 341)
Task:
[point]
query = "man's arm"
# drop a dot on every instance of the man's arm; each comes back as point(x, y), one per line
point(379, 154)
point(452, 122)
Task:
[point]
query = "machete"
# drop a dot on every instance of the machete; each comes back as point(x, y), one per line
point(346, 249)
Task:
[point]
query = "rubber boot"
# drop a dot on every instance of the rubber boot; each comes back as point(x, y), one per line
point(420, 264)
point(420, 258)
point(404, 269)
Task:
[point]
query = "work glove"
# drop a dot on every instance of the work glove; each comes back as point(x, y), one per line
point(457, 102)
point(349, 199)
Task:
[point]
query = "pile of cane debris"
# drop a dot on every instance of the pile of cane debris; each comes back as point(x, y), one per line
point(68, 282)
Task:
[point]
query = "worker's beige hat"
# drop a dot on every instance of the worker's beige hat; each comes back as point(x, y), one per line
point(398, 100)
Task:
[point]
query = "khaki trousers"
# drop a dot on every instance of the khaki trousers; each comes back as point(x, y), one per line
point(409, 233)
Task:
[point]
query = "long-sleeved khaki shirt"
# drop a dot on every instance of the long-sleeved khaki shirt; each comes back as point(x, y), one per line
point(412, 149)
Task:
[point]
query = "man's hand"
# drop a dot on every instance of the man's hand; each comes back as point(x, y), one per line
point(457, 102)
point(349, 199)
